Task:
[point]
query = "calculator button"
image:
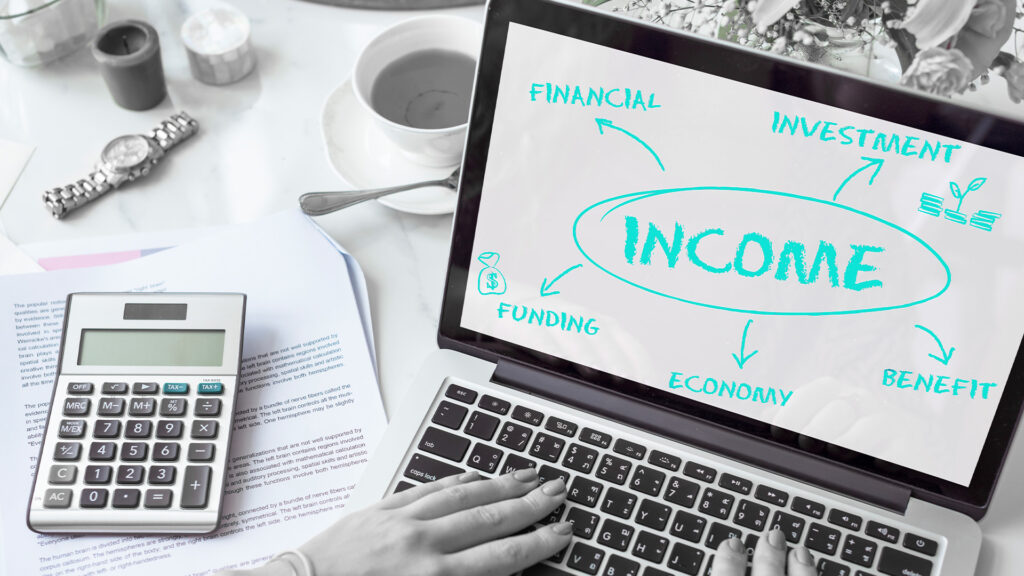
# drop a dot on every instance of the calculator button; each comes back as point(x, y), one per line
point(210, 388)
point(93, 498)
point(208, 429)
point(71, 429)
point(110, 407)
point(130, 474)
point(67, 451)
point(57, 498)
point(175, 388)
point(138, 429)
point(195, 487)
point(165, 452)
point(144, 388)
point(200, 452)
point(107, 429)
point(115, 387)
point(79, 387)
point(142, 407)
point(158, 498)
point(207, 407)
point(76, 407)
point(168, 429)
point(63, 474)
point(161, 475)
point(134, 451)
point(102, 451)
point(173, 406)
point(98, 474)
point(125, 498)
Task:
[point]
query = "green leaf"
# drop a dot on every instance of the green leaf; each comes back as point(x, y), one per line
point(594, 2)
point(976, 183)
point(955, 189)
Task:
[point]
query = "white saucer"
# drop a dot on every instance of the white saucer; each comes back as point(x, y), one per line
point(365, 158)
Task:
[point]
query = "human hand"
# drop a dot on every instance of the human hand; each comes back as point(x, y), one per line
point(769, 558)
point(459, 525)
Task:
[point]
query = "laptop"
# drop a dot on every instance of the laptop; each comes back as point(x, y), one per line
point(720, 292)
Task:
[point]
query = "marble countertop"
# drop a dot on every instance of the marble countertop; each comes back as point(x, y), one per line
point(259, 148)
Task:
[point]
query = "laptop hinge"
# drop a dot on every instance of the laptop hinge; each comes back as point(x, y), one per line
point(712, 437)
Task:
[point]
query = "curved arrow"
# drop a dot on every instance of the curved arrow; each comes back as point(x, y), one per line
point(602, 124)
point(545, 286)
point(742, 358)
point(946, 357)
point(876, 162)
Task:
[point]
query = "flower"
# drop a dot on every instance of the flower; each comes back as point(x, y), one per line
point(1014, 75)
point(939, 71)
point(988, 17)
point(935, 21)
point(836, 13)
point(768, 12)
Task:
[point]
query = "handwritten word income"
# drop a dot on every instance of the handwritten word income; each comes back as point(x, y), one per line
point(632, 99)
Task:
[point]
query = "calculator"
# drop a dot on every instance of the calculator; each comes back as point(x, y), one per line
point(137, 436)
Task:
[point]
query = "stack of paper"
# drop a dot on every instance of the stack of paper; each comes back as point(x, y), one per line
point(308, 415)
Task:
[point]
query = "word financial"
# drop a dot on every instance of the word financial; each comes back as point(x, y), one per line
point(589, 96)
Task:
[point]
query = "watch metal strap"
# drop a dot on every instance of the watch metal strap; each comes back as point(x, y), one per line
point(173, 131)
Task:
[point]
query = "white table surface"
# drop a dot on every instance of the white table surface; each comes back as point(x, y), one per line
point(259, 147)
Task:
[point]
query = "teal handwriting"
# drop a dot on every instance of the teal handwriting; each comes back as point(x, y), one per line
point(935, 384)
point(584, 96)
point(729, 389)
point(548, 318)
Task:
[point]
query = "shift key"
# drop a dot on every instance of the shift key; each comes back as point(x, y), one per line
point(426, 469)
point(444, 444)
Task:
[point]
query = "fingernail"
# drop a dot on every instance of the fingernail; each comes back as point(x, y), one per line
point(735, 545)
point(562, 528)
point(777, 539)
point(554, 487)
point(525, 475)
point(803, 556)
point(469, 476)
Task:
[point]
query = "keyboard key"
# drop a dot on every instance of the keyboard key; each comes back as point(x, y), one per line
point(618, 503)
point(650, 547)
point(619, 566)
point(547, 447)
point(173, 406)
point(808, 507)
point(647, 480)
point(595, 438)
point(449, 415)
point(485, 458)
point(93, 498)
point(882, 532)
point(201, 452)
point(161, 475)
point(71, 429)
point(844, 519)
point(548, 473)
point(631, 449)
point(169, 429)
point(514, 436)
point(496, 405)
point(515, 462)
point(102, 451)
point(653, 514)
point(751, 515)
point(920, 544)
point(110, 407)
point(563, 427)
point(584, 524)
point(63, 474)
point(685, 559)
point(735, 483)
point(771, 495)
point(528, 415)
point(209, 407)
point(76, 407)
point(142, 407)
point(584, 558)
point(210, 388)
point(134, 451)
point(165, 451)
point(585, 491)
point(580, 458)
point(651, 571)
point(830, 568)
point(717, 503)
point(554, 516)
point(666, 461)
point(158, 498)
point(545, 570)
point(821, 538)
point(750, 543)
point(126, 498)
point(145, 388)
point(107, 429)
point(700, 471)
point(792, 526)
point(426, 469)
point(402, 486)
point(98, 474)
point(614, 469)
point(138, 429)
point(79, 387)
point(482, 425)
point(130, 474)
point(115, 387)
point(719, 532)
point(57, 498)
point(688, 526)
point(435, 441)
point(208, 429)
point(461, 394)
point(859, 550)
point(898, 563)
point(175, 388)
point(682, 492)
point(67, 451)
point(615, 535)
point(195, 487)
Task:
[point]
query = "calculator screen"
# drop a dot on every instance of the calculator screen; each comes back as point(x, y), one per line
point(151, 348)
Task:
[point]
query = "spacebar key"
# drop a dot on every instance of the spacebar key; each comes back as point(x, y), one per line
point(427, 469)
point(896, 563)
point(544, 570)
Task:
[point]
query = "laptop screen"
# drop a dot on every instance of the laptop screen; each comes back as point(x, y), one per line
point(849, 278)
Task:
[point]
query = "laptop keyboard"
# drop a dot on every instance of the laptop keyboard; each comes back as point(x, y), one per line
point(640, 508)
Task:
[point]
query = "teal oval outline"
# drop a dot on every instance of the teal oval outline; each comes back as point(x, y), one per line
point(637, 196)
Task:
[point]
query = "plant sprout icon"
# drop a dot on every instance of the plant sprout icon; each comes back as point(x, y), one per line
point(954, 188)
point(931, 205)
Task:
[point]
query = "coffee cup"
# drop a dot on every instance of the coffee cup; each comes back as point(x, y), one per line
point(415, 79)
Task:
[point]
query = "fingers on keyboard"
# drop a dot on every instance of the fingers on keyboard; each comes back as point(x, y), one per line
point(509, 555)
point(463, 496)
point(770, 555)
point(408, 496)
point(730, 559)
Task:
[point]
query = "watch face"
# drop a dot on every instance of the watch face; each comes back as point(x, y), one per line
point(126, 152)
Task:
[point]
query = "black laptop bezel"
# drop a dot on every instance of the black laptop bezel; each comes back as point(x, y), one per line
point(765, 71)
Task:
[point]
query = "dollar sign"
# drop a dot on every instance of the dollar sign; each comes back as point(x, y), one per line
point(492, 280)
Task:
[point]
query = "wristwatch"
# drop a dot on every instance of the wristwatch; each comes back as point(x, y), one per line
point(124, 159)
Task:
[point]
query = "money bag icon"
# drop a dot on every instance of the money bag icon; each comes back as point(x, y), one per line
point(490, 280)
